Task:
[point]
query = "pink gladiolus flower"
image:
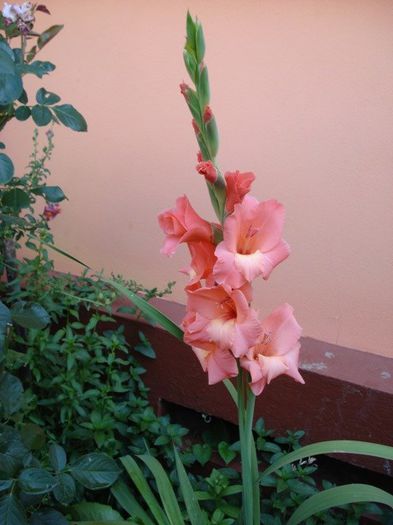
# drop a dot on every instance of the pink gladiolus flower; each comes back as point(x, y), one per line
point(217, 362)
point(238, 185)
point(222, 317)
point(202, 262)
point(183, 224)
point(208, 170)
point(277, 351)
point(50, 211)
point(252, 243)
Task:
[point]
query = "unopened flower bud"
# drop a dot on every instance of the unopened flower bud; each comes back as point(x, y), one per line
point(196, 127)
point(184, 89)
point(208, 170)
point(207, 114)
point(199, 157)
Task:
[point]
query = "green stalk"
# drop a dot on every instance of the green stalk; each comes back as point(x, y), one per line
point(245, 450)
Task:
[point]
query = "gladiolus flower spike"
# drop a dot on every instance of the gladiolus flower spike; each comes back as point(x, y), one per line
point(220, 324)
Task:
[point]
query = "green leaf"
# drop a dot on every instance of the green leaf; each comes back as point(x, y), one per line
point(199, 42)
point(30, 315)
point(70, 117)
point(51, 193)
point(95, 471)
point(127, 501)
point(22, 113)
point(62, 252)
point(191, 64)
point(190, 499)
point(23, 99)
point(204, 89)
point(5, 48)
point(353, 493)
point(202, 453)
point(145, 491)
point(147, 309)
point(65, 489)
point(165, 490)
point(46, 97)
point(225, 452)
point(212, 136)
point(11, 393)
point(190, 28)
point(332, 447)
point(41, 115)
point(33, 436)
point(36, 481)
point(47, 35)
point(11, 511)
point(6, 168)
point(57, 457)
point(16, 199)
point(94, 511)
point(37, 68)
point(48, 517)
point(11, 85)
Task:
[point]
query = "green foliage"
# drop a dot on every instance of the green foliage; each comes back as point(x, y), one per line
point(28, 479)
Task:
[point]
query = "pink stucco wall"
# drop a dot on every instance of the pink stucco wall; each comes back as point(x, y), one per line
point(303, 94)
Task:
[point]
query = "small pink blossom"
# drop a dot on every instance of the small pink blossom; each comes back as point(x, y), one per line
point(183, 224)
point(219, 363)
point(202, 262)
point(224, 317)
point(252, 243)
point(51, 210)
point(199, 157)
point(208, 170)
point(277, 351)
point(238, 185)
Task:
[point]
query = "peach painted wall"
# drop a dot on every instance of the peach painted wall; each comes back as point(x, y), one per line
point(303, 94)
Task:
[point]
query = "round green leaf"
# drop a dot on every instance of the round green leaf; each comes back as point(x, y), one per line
point(57, 457)
point(11, 85)
point(36, 481)
point(6, 168)
point(33, 436)
point(65, 489)
point(11, 392)
point(11, 511)
point(30, 315)
point(70, 117)
point(46, 97)
point(23, 99)
point(95, 471)
point(48, 517)
point(16, 199)
point(41, 115)
point(22, 113)
point(51, 193)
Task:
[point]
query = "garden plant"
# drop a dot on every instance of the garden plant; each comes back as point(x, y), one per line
point(79, 441)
